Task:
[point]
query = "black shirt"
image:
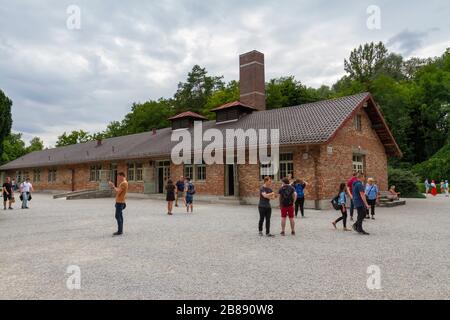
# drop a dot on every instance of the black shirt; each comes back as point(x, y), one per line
point(264, 202)
point(8, 187)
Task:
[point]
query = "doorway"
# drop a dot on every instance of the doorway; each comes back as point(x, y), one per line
point(113, 173)
point(230, 173)
point(163, 174)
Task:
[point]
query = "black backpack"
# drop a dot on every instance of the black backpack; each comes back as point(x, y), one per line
point(286, 193)
point(335, 203)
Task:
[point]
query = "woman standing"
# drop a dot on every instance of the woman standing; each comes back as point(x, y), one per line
point(170, 197)
point(433, 188)
point(265, 210)
point(372, 194)
point(342, 200)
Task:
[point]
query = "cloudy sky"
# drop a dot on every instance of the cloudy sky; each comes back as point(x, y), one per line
point(61, 79)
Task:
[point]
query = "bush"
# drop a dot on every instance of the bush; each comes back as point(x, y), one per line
point(404, 181)
point(436, 168)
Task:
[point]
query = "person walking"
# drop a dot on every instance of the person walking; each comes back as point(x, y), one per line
point(287, 199)
point(433, 188)
point(360, 203)
point(446, 189)
point(180, 184)
point(8, 193)
point(190, 191)
point(350, 182)
point(300, 186)
point(25, 192)
point(265, 210)
point(121, 194)
point(372, 194)
point(342, 202)
point(427, 186)
point(170, 197)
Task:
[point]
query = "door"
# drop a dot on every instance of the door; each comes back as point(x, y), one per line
point(163, 174)
point(73, 180)
point(113, 177)
point(230, 180)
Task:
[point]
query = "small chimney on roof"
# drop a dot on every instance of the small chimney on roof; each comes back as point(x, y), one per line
point(252, 83)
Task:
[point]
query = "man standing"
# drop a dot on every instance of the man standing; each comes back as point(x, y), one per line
point(360, 203)
point(190, 191)
point(121, 193)
point(180, 191)
point(25, 188)
point(8, 193)
point(265, 210)
point(350, 182)
point(287, 200)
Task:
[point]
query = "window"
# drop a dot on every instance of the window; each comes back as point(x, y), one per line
point(37, 175)
point(357, 122)
point(189, 171)
point(358, 163)
point(200, 172)
point(95, 173)
point(135, 172)
point(139, 172)
point(286, 165)
point(51, 175)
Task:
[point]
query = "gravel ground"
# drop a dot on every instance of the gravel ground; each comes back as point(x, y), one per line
point(216, 253)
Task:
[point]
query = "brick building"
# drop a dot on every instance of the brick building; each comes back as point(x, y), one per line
point(322, 142)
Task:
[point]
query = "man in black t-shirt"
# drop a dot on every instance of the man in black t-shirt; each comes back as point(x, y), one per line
point(8, 193)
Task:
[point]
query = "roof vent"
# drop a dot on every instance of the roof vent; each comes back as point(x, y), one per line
point(185, 120)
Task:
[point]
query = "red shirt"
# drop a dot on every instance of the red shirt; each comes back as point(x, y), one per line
point(350, 183)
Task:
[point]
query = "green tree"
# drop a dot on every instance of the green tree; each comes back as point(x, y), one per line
point(227, 94)
point(13, 147)
point(114, 129)
point(366, 61)
point(194, 93)
point(73, 138)
point(5, 118)
point(36, 144)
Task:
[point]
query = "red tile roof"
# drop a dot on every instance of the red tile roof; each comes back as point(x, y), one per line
point(188, 114)
point(233, 104)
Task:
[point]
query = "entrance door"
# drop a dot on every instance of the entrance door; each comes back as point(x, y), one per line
point(230, 180)
point(114, 174)
point(163, 174)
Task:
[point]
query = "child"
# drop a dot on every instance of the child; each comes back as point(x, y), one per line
point(342, 200)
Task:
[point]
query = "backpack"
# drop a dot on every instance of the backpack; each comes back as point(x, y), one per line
point(299, 189)
point(335, 203)
point(286, 198)
point(191, 189)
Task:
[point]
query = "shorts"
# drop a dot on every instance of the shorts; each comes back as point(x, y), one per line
point(287, 212)
point(6, 197)
point(189, 199)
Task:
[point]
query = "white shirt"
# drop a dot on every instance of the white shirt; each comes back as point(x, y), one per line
point(26, 186)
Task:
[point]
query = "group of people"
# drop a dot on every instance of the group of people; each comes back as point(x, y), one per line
point(9, 188)
point(182, 190)
point(432, 187)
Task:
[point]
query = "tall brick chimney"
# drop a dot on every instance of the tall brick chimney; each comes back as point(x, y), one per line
point(252, 80)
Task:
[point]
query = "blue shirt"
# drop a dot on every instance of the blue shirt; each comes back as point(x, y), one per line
point(342, 198)
point(299, 187)
point(371, 191)
point(357, 200)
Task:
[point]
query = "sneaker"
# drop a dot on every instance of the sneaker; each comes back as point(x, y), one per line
point(176, 205)
point(10, 208)
point(282, 233)
point(260, 234)
point(117, 234)
point(334, 224)
point(373, 218)
point(270, 235)
point(364, 233)
point(293, 233)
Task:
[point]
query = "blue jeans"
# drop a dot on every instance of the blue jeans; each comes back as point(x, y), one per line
point(24, 200)
point(119, 216)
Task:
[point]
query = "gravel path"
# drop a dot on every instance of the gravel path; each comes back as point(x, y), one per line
point(216, 253)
